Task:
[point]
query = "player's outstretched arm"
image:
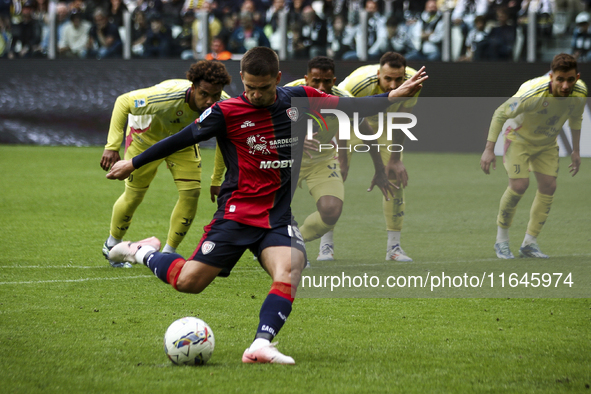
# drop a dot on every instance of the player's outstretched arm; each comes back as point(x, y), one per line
point(411, 86)
point(121, 170)
point(488, 157)
point(109, 158)
point(184, 138)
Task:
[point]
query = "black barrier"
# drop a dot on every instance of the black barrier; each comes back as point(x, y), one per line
point(69, 102)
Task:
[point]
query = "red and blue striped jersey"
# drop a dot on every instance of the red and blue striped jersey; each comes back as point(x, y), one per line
point(262, 149)
point(258, 145)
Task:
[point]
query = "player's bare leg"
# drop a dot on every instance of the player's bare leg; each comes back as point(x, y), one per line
point(185, 276)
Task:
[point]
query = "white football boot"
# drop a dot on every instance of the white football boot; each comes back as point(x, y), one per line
point(532, 250)
point(326, 253)
point(266, 355)
point(397, 254)
point(503, 251)
point(126, 250)
point(114, 264)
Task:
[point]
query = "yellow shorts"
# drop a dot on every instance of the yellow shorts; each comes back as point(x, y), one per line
point(184, 164)
point(522, 158)
point(323, 179)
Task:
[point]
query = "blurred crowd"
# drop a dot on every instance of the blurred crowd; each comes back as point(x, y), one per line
point(341, 29)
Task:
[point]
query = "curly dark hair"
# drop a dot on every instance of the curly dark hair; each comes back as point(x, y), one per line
point(210, 71)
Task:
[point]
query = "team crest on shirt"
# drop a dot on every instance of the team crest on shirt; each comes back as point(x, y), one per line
point(207, 247)
point(292, 113)
point(179, 113)
point(256, 143)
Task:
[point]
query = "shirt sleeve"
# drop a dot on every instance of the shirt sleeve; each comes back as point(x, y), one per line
point(118, 122)
point(166, 147)
point(508, 110)
point(210, 124)
point(218, 168)
point(364, 106)
point(575, 121)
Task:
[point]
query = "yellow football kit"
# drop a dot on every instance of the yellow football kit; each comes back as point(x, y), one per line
point(533, 118)
point(152, 114)
point(364, 82)
point(536, 118)
point(321, 170)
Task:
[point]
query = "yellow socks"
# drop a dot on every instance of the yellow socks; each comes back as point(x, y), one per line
point(314, 227)
point(539, 213)
point(124, 209)
point(394, 210)
point(182, 216)
point(508, 207)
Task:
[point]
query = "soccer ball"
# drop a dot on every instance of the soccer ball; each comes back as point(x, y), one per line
point(189, 341)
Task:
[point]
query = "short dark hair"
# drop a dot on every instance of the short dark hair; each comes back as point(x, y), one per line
point(322, 63)
point(210, 71)
point(260, 61)
point(564, 62)
point(393, 59)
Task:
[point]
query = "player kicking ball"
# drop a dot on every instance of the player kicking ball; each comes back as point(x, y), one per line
point(254, 210)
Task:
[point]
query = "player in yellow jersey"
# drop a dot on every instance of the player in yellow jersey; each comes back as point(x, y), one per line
point(152, 114)
point(386, 76)
point(535, 115)
point(321, 170)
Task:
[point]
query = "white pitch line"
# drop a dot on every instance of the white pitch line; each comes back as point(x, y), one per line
point(95, 267)
point(52, 266)
point(73, 280)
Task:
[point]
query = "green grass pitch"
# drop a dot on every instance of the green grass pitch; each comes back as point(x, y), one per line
point(69, 323)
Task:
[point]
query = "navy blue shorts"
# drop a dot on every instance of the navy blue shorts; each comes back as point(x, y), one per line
point(224, 242)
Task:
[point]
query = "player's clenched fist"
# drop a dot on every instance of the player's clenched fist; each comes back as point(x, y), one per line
point(121, 170)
